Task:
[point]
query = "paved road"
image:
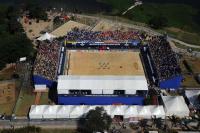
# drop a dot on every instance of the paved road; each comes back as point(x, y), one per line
point(70, 124)
point(137, 27)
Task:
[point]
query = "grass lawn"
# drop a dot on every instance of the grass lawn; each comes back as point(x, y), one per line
point(24, 103)
point(6, 108)
point(180, 16)
point(186, 47)
point(195, 64)
point(192, 38)
point(44, 98)
point(7, 73)
point(189, 80)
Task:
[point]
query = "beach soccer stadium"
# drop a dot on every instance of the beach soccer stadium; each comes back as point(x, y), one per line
point(104, 68)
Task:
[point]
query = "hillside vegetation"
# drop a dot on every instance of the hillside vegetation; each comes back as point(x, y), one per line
point(183, 15)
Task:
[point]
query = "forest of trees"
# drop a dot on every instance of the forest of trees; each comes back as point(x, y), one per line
point(14, 43)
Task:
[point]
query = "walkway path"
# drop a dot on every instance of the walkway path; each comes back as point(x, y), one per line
point(133, 6)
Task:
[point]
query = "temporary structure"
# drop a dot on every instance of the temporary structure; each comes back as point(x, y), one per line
point(63, 112)
point(49, 112)
point(175, 105)
point(107, 108)
point(87, 108)
point(76, 111)
point(158, 111)
point(117, 110)
point(46, 36)
point(192, 96)
point(131, 111)
point(36, 111)
point(144, 111)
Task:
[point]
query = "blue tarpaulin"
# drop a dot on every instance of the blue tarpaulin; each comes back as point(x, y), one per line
point(39, 80)
point(174, 83)
point(100, 100)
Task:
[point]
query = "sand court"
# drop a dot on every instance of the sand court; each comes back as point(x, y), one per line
point(103, 63)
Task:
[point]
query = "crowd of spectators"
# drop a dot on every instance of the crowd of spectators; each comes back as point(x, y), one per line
point(47, 60)
point(164, 58)
point(83, 34)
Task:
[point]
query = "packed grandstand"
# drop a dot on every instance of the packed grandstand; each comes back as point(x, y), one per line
point(87, 35)
point(47, 59)
point(163, 58)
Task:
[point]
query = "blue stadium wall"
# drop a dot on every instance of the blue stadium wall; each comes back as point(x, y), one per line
point(39, 80)
point(174, 83)
point(99, 100)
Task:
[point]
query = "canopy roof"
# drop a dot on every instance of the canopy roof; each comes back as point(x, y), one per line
point(192, 95)
point(68, 82)
point(74, 111)
point(46, 36)
point(175, 105)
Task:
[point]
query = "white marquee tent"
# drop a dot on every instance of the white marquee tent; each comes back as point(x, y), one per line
point(175, 105)
point(117, 110)
point(144, 111)
point(36, 111)
point(77, 111)
point(63, 112)
point(49, 112)
point(158, 111)
point(101, 84)
point(192, 95)
point(46, 36)
point(131, 111)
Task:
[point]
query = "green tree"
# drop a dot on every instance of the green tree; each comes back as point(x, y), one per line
point(57, 21)
point(14, 43)
point(96, 120)
point(158, 22)
point(38, 13)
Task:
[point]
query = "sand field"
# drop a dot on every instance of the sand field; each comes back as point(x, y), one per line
point(103, 63)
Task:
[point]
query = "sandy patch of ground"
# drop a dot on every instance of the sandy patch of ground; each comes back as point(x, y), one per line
point(104, 25)
point(68, 26)
point(104, 63)
point(33, 30)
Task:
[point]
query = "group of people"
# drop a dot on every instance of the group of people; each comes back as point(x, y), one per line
point(47, 60)
point(164, 58)
point(83, 34)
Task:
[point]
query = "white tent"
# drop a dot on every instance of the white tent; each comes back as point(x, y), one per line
point(63, 111)
point(144, 111)
point(76, 111)
point(117, 110)
point(50, 112)
point(87, 108)
point(36, 111)
point(107, 108)
point(46, 36)
point(192, 96)
point(175, 105)
point(101, 84)
point(131, 111)
point(158, 111)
